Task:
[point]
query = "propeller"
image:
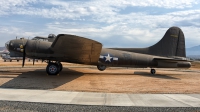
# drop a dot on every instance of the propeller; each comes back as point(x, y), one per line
point(24, 56)
point(23, 49)
point(33, 61)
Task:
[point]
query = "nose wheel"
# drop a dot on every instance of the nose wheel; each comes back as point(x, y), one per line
point(153, 71)
point(54, 68)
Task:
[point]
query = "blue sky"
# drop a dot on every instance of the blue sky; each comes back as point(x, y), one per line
point(115, 23)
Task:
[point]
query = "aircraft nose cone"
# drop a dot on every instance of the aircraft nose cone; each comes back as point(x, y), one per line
point(16, 45)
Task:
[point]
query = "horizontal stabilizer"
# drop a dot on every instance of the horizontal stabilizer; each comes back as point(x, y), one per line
point(77, 49)
point(172, 60)
point(172, 63)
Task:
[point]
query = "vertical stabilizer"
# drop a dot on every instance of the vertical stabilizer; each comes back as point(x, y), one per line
point(172, 44)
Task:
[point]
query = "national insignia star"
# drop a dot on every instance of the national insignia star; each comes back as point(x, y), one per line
point(108, 58)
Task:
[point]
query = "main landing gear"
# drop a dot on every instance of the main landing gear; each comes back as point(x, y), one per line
point(153, 71)
point(101, 67)
point(54, 68)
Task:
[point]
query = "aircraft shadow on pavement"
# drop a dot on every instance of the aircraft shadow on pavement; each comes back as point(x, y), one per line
point(155, 75)
point(39, 79)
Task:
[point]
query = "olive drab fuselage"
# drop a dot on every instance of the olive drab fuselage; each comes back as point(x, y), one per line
point(169, 52)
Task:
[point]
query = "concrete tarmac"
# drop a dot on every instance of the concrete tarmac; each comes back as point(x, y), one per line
point(103, 99)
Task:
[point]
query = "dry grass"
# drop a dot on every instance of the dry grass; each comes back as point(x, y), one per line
point(196, 64)
point(117, 80)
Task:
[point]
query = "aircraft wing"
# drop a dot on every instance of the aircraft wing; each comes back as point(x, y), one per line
point(77, 49)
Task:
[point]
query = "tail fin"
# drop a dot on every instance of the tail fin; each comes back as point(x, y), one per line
point(172, 44)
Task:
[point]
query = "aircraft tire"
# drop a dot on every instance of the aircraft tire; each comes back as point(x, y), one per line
point(52, 69)
point(4, 60)
point(153, 71)
point(101, 67)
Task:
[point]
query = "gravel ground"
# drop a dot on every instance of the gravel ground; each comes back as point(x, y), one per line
point(7, 106)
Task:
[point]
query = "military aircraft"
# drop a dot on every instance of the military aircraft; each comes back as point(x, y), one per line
point(169, 52)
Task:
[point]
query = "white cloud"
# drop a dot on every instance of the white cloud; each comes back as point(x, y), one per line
point(192, 36)
point(124, 3)
point(101, 19)
point(12, 3)
point(19, 32)
point(75, 9)
point(7, 5)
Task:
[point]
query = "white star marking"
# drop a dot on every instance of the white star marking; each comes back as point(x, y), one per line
point(108, 58)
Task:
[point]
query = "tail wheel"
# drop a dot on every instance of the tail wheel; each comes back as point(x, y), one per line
point(153, 71)
point(52, 69)
point(101, 67)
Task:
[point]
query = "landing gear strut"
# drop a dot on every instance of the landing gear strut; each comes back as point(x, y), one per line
point(53, 68)
point(60, 66)
point(153, 71)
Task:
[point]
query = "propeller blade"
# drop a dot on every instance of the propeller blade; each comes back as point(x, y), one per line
point(33, 61)
point(24, 56)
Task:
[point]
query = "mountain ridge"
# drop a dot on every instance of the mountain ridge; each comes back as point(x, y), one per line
point(195, 51)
